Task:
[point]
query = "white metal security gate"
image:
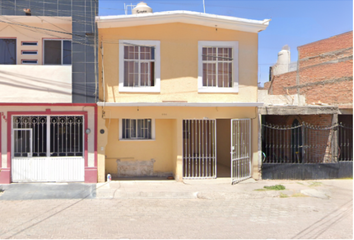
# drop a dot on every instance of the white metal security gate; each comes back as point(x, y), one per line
point(47, 149)
point(240, 149)
point(199, 149)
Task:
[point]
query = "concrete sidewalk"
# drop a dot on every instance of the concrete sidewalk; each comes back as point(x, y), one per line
point(33, 191)
point(218, 189)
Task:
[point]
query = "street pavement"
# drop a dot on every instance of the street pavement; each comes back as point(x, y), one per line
point(321, 209)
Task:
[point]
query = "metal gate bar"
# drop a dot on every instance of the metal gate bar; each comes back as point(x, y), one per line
point(345, 143)
point(305, 143)
point(240, 149)
point(199, 149)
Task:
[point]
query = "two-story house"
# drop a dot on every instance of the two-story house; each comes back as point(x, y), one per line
point(178, 95)
point(48, 91)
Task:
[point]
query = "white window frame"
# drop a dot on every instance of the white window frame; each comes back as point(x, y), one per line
point(229, 44)
point(62, 49)
point(152, 89)
point(136, 139)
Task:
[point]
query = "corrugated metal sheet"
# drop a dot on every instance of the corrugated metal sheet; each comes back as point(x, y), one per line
point(66, 169)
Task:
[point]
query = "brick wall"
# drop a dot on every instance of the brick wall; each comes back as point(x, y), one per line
point(339, 55)
point(341, 41)
point(325, 72)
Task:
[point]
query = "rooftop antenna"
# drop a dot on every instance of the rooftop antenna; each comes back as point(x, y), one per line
point(204, 5)
point(126, 8)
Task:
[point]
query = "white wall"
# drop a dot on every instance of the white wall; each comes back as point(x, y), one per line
point(35, 84)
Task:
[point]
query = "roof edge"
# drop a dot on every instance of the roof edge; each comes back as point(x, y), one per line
point(178, 104)
point(204, 19)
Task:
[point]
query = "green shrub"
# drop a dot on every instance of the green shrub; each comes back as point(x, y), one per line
point(275, 187)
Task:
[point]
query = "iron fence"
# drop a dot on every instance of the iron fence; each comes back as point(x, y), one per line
point(345, 143)
point(306, 143)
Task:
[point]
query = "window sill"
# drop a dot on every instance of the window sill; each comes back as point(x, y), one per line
point(136, 140)
point(217, 90)
point(139, 89)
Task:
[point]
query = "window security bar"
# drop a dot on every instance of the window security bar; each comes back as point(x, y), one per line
point(217, 57)
point(48, 136)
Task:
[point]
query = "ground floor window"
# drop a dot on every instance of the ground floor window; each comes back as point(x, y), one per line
point(48, 136)
point(136, 129)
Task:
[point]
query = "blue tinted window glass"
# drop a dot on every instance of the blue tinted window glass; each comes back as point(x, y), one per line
point(66, 52)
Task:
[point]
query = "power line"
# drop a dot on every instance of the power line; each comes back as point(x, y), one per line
point(54, 11)
point(46, 29)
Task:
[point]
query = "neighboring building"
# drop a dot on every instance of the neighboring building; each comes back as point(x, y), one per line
point(316, 90)
point(48, 91)
point(176, 88)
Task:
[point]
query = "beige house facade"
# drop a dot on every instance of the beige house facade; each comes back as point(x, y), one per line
point(178, 96)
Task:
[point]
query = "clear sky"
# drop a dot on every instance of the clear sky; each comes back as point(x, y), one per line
point(293, 22)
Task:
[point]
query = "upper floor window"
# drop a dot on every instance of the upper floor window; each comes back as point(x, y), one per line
point(57, 52)
point(217, 66)
point(139, 66)
point(7, 51)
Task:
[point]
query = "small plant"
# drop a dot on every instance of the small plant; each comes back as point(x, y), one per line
point(275, 187)
point(315, 184)
point(283, 195)
point(298, 195)
point(260, 190)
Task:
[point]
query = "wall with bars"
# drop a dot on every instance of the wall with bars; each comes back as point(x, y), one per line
point(84, 57)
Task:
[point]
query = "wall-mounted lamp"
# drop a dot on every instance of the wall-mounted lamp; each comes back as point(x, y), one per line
point(88, 131)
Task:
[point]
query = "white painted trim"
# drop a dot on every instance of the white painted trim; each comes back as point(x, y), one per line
point(234, 46)
point(154, 89)
point(129, 140)
point(178, 104)
point(189, 17)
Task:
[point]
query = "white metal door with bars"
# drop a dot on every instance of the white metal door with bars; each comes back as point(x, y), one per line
point(199, 149)
point(240, 149)
point(47, 148)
